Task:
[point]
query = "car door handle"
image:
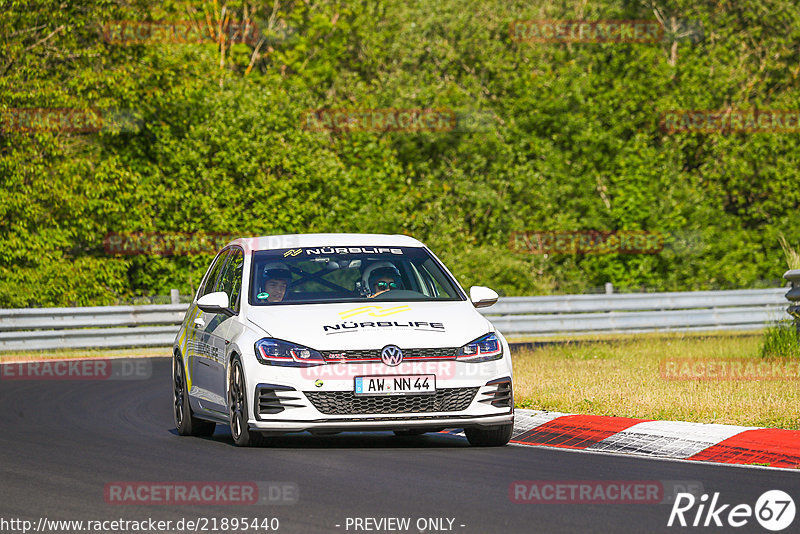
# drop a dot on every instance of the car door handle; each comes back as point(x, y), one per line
point(199, 322)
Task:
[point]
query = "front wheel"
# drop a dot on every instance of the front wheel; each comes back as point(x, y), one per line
point(185, 423)
point(495, 436)
point(237, 408)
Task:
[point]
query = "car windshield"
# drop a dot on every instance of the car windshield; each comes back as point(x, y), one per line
point(348, 274)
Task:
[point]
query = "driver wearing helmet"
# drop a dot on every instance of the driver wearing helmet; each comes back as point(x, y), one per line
point(275, 281)
point(380, 278)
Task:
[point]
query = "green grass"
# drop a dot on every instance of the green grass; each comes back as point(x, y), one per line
point(781, 341)
point(791, 253)
point(623, 378)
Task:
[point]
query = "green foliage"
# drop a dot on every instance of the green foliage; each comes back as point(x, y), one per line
point(208, 137)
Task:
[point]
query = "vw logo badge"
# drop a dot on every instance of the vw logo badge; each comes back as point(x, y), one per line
point(391, 355)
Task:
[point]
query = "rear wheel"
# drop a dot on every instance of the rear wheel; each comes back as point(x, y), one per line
point(496, 436)
point(186, 423)
point(237, 408)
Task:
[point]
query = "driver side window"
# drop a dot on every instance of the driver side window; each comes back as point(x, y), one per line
point(213, 274)
point(230, 281)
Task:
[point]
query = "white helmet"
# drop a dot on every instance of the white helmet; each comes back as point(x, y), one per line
point(277, 270)
point(376, 270)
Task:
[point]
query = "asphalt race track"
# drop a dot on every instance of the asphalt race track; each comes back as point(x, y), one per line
point(62, 442)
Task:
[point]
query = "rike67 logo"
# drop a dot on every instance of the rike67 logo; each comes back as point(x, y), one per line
point(774, 510)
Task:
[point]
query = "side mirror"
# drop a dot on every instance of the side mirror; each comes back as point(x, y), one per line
point(482, 297)
point(215, 303)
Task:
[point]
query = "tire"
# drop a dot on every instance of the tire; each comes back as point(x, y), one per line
point(185, 422)
point(238, 409)
point(496, 436)
point(407, 433)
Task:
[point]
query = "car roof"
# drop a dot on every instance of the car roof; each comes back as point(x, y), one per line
point(273, 242)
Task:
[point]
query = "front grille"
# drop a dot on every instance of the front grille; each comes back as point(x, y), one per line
point(347, 403)
point(375, 354)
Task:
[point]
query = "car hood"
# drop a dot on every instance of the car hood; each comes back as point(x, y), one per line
point(372, 326)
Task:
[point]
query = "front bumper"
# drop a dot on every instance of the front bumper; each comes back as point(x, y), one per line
point(467, 395)
point(409, 421)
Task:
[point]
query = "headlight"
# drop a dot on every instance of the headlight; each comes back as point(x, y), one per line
point(483, 349)
point(276, 352)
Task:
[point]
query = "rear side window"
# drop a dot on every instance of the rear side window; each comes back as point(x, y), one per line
point(213, 274)
point(230, 281)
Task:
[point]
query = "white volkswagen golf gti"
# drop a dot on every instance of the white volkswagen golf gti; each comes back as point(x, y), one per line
point(339, 332)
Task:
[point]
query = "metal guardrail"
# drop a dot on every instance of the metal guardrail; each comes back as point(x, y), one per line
point(637, 301)
point(95, 316)
point(142, 336)
point(90, 327)
point(750, 309)
point(156, 325)
point(793, 296)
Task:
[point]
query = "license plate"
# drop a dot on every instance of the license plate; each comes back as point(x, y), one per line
point(395, 385)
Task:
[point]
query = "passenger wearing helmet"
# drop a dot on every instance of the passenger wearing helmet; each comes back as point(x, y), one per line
point(275, 282)
point(381, 277)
